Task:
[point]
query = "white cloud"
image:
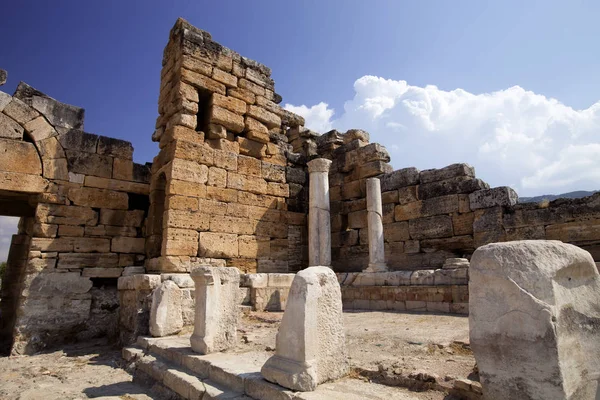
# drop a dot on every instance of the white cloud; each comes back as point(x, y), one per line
point(512, 137)
point(318, 117)
point(8, 227)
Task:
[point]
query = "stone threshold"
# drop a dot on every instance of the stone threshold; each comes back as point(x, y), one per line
point(170, 366)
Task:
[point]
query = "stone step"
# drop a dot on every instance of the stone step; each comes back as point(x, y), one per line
point(236, 373)
point(178, 379)
point(170, 363)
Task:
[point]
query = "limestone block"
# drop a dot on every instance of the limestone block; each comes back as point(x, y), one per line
point(407, 194)
point(56, 169)
point(69, 215)
point(268, 118)
point(533, 320)
point(254, 125)
point(189, 171)
point(456, 263)
point(19, 157)
point(242, 94)
point(252, 148)
point(226, 160)
point(60, 284)
point(89, 163)
point(430, 227)
point(128, 245)
point(203, 82)
point(19, 111)
point(251, 86)
point(579, 231)
point(273, 173)
point(179, 242)
point(463, 223)
point(114, 184)
point(451, 171)
point(5, 98)
point(183, 281)
point(254, 246)
point(216, 318)
point(115, 147)
point(249, 166)
point(39, 129)
point(422, 277)
point(100, 198)
point(121, 217)
point(82, 260)
point(102, 272)
point(396, 232)
point(196, 152)
point(3, 76)
point(225, 78)
point(51, 148)
point(229, 103)
point(79, 140)
point(165, 313)
point(458, 185)
point(218, 245)
point(9, 128)
point(232, 121)
point(129, 271)
point(500, 196)
point(310, 345)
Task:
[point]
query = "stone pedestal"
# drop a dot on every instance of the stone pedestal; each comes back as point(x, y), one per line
point(216, 319)
point(319, 223)
point(311, 346)
point(534, 320)
point(375, 224)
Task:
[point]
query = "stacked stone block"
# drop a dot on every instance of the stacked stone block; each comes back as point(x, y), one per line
point(220, 191)
point(83, 203)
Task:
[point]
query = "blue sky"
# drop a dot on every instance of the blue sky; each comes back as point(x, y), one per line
point(105, 56)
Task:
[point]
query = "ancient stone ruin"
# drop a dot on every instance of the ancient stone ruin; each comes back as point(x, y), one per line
point(106, 246)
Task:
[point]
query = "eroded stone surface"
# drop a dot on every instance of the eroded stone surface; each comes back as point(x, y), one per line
point(215, 325)
point(311, 347)
point(165, 314)
point(534, 320)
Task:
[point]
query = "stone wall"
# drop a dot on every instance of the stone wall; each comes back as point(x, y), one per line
point(225, 183)
point(83, 203)
point(432, 215)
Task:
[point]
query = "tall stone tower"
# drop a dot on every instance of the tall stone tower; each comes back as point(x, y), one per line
point(225, 181)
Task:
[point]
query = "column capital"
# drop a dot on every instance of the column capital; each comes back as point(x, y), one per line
point(319, 165)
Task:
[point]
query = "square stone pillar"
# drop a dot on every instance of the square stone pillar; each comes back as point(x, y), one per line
point(311, 344)
point(216, 320)
point(375, 227)
point(319, 223)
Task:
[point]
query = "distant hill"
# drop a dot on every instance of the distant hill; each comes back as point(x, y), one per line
point(571, 195)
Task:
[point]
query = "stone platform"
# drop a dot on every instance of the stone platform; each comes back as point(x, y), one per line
point(168, 364)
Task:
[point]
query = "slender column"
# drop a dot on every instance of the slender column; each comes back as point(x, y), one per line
point(375, 220)
point(319, 224)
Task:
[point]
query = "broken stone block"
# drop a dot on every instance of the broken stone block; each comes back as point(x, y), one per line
point(3, 76)
point(451, 263)
point(165, 314)
point(215, 325)
point(451, 171)
point(534, 320)
point(500, 196)
point(9, 128)
point(311, 347)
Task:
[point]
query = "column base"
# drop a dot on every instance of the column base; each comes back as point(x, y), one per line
point(200, 345)
point(292, 374)
point(376, 268)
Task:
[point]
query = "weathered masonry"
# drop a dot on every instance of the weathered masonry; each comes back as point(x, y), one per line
point(229, 188)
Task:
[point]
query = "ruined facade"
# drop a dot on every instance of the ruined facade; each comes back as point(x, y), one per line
point(229, 187)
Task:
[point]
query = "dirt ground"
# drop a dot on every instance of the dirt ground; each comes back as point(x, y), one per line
point(436, 344)
point(90, 370)
point(377, 342)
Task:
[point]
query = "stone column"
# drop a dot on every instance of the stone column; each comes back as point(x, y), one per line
point(375, 220)
point(215, 323)
point(319, 224)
